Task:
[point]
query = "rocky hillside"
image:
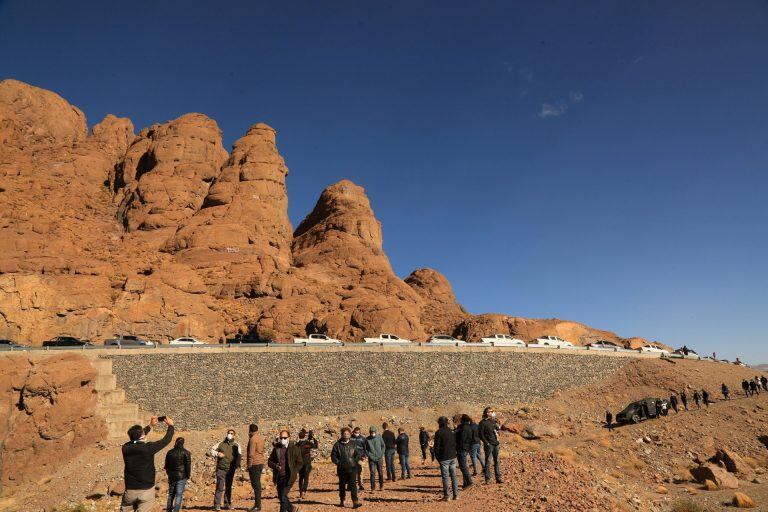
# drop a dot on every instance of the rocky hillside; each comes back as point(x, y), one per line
point(164, 233)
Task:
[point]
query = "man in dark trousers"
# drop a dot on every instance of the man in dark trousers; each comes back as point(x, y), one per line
point(375, 453)
point(178, 467)
point(306, 444)
point(139, 460)
point(753, 388)
point(423, 443)
point(684, 399)
point(745, 387)
point(726, 391)
point(255, 460)
point(228, 457)
point(463, 446)
point(705, 397)
point(362, 447)
point(764, 382)
point(445, 453)
point(673, 403)
point(697, 398)
point(490, 438)
point(474, 449)
point(403, 453)
point(389, 451)
point(346, 457)
point(285, 461)
point(609, 420)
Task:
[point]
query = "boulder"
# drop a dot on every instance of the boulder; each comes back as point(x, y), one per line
point(741, 500)
point(721, 477)
point(539, 430)
point(730, 460)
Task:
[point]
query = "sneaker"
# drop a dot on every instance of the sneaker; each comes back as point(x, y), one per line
point(499, 481)
point(341, 505)
point(455, 497)
point(356, 504)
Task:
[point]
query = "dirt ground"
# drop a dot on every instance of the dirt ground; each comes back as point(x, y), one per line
point(575, 465)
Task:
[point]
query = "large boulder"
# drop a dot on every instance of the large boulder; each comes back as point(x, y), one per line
point(715, 473)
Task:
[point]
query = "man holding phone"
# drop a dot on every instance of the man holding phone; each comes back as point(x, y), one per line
point(139, 459)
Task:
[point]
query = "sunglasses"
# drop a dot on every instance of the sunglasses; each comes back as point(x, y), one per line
point(281, 437)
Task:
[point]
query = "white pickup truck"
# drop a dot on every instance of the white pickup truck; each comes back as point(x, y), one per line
point(444, 339)
point(503, 340)
point(320, 339)
point(387, 339)
point(551, 341)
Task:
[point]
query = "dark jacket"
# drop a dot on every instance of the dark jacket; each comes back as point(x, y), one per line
point(464, 437)
point(423, 438)
point(475, 433)
point(139, 461)
point(178, 464)
point(361, 443)
point(445, 444)
point(295, 462)
point(306, 446)
point(232, 455)
point(346, 456)
point(488, 432)
point(389, 439)
point(401, 444)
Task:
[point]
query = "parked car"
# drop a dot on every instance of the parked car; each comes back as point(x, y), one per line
point(503, 340)
point(9, 344)
point(65, 341)
point(318, 339)
point(642, 410)
point(553, 341)
point(186, 341)
point(385, 339)
point(652, 348)
point(604, 345)
point(246, 338)
point(444, 339)
point(128, 340)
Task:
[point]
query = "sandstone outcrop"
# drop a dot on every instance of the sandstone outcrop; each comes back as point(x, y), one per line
point(49, 415)
point(164, 233)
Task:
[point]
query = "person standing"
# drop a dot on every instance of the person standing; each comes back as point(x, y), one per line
point(745, 387)
point(375, 453)
point(752, 388)
point(389, 451)
point(178, 468)
point(423, 443)
point(362, 447)
point(445, 452)
point(255, 463)
point(764, 382)
point(403, 453)
point(306, 444)
point(757, 384)
point(346, 457)
point(228, 456)
point(726, 391)
point(673, 403)
point(285, 461)
point(684, 399)
point(705, 397)
point(490, 438)
point(474, 449)
point(609, 420)
point(463, 447)
point(139, 460)
point(697, 398)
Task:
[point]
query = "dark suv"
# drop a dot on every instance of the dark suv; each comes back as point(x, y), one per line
point(65, 341)
point(642, 410)
point(8, 344)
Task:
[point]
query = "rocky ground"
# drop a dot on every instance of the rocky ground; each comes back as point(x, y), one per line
point(557, 455)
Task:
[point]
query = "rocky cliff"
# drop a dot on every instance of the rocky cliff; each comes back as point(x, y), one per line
point(164, 233)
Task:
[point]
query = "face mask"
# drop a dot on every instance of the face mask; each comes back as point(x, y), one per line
point(230, 437)
point(284, 442)
point(355, 435)
point(493, 414)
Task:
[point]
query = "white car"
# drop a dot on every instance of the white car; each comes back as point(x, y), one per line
point(320, 339)
point(444, 339)
point(503, 340)
point(603, 345)
point(186, 341)
point(553, 341)
point(387, 339)
point(654, 349)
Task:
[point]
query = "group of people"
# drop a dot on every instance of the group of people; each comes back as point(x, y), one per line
point(291, 460)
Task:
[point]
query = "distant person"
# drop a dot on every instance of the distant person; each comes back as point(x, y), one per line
point(745, 387)
point(764, 382)
point(403, 453)
point(285, 461)
point(139, 460)
point(684, 399)
point(255, 460)
point(697, 398)
point(178, 468)
point(609, 420)
point(389, 451)
point(474, 450)
point(346, 456)
point(375, 453)
point(726, 392)
point(306, 444)
point(228, 457)
point(757, 384)
point(490, 438)
point(705, 397)
point(753, 388)
point(423, 443)
point(362, 447)
point(714, 356)
point(673, 403)
point(463, 446)
point(432, 445)
point(445, 452)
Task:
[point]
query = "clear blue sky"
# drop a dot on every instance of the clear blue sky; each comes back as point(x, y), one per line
point(600, 161)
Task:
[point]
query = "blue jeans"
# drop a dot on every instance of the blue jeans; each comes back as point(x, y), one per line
point(389, 457)
point(492, 451)
point(448, 471)
point(405, 465)
point(175, 494)
point(464, 467)
point(373, 467)
point(474, 454)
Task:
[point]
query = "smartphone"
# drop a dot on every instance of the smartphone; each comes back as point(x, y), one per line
point(161, 418)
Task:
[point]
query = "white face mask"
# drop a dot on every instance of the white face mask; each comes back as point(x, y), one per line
point(493, 414)
point(230, 437)
point(284, 442)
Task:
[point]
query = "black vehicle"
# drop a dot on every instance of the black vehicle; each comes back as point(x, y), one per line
point(246, 338)
point(642, 410)
point(128, 340)
point(65, 341)
point(9, 344)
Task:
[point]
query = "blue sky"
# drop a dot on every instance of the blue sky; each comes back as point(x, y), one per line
point(597, 161)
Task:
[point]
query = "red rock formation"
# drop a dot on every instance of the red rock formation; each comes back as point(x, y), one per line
point(49, 415)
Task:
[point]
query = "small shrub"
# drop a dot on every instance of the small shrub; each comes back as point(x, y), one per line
point(687, 506)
